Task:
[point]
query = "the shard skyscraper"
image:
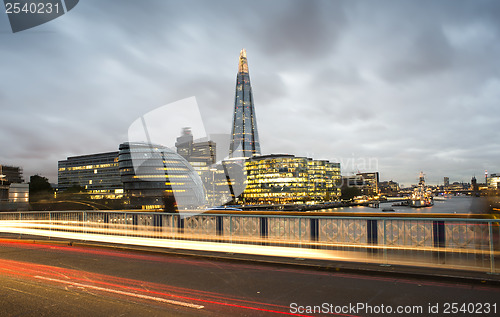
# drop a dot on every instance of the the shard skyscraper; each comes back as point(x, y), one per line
point(244, 138)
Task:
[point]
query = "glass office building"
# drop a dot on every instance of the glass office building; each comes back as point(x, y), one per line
point(244, 135)
point(97, 173)
point(368, 183)
point(494, 181)
point(284, 179)
point(154, 174)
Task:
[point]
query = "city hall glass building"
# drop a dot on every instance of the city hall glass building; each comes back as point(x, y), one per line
point(283, 179)
point(153, 174)
point(244, 135)
point(96, 173)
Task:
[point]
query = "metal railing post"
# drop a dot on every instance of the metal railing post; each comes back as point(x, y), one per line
point(263, 228)
point(219, 224)
point(385, 244)
point(126, 224)
point(230, 229)
point(372, 234)
point(492, 253)
point(180, 225)
point(20, 220)
point(439, 237)
point(314, 229)
point(300, 232)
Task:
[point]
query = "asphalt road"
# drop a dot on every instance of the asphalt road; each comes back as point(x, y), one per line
point(57, 279)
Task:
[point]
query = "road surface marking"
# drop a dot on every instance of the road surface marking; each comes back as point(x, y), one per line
point(158, 299)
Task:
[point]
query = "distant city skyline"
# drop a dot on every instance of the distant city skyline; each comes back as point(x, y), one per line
point(394, 87)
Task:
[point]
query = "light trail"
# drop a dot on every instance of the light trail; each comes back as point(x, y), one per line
point(97, 288)
point(81, 230)
point(19, 228)
point(187, 239)
point(228, 265)
point(162, 293)
point(143, 290)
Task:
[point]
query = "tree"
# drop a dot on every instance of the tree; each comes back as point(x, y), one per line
point(39, 188)
point(40, 184)
point(349, 193)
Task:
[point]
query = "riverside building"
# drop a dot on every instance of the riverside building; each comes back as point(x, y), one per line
point(285, 179)
point(97, 173)
point(200, 154)
point(154, 176)
point(494, 181)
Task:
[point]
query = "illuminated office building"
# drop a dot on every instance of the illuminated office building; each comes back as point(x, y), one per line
point(14, 193)
point(200, 154)
point(323, 180)
point(244, 135)
point(97, 173)
point(202, 159)
point(371, 181)
point(283, 178)
point(154, 174)
point(367, 182)
point(494, 181)
point(389, 188)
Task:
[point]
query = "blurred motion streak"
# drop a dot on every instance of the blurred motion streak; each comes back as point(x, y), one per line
point(178, 296)
point(455, 243)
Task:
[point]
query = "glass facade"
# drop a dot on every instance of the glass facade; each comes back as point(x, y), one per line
point(244, 135)
point(154, 174)
point(368, 183)
point(282, 179)
point(201, 155)
point(494, 181)
point(97, 173)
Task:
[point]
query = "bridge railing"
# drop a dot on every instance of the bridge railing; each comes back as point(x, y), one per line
point(462, 243)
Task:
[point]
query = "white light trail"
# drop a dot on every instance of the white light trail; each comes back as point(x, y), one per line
point(110, 290)
point(209, 240)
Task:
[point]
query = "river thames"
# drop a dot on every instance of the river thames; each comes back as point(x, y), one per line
point(450, 205)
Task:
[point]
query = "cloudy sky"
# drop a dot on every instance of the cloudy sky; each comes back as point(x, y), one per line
point(394, 86)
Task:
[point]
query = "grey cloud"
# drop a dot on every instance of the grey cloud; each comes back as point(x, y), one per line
point(425, 55)
point(412, 84)
point(301, 28)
